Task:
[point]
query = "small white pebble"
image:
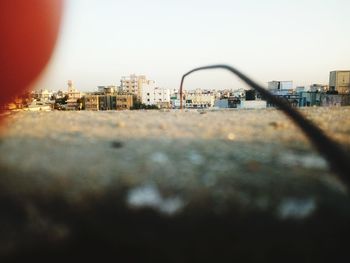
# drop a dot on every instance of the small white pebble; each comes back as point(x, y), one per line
point(305, 160)
point(120, 124)
point(149, 196)
point(231, 136)
point(293, 208)
point(170, 206)
point(159, 157)
point(196, 158)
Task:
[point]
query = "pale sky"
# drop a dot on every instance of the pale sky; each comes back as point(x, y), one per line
point(102, 40)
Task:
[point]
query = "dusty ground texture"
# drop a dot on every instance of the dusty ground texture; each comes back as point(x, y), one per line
point(249, 178)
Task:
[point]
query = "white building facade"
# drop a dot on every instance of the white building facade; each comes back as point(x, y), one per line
point(339, 81)
point(199, 99)
point(73, 96)
point(134, 84)
point(155, 96)
point(43, 95)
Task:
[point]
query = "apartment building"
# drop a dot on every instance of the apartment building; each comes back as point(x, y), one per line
point(199, 99)
point(95, 102)
point(43, 94)
point(134, 84)
point(280, 87)
point(73, 96)
point(155, 96)
point(339, 81)
point(107, 89)
point(124, 102)
point(91, 102)
point(318, 88)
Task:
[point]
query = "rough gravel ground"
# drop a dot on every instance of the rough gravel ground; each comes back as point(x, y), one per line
point(177, 151)
point(213, 185)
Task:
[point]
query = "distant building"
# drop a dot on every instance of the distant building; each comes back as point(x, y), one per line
point(234, 102)
point(95, 102)
point(175, 101)
point(133, 84)
point(230, 98)
point(38, 106)
point(240, 93)
point(124, 102)
point(299, 89)
point(309, 98)
point(285, 91)
point(224, 94)
point(73, 96)
point(46, 95)
point(42, 94)
point(107, 102)
point(91, 102)
point(318, 88)
point(59, 94)
point(221, 104)
point(331, 100)
point(156, 96)
point(253, 104)
point(322, 99)
point(280, 86)
point(199, 99)
point(107, 90)
point(340, 81)
point(250, 94)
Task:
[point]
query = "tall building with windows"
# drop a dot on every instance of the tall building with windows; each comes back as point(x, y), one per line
point(133, 84)
point(339, 80)
point(97, 102)
point(124, 102)
point(91, 102)
point(318, 88)
point(199, 99)
point(43, 95)
point(108, 90)
point(73, 96)
point(156, 96)
point(280, 87)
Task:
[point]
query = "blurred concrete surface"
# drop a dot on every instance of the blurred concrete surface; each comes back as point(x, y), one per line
point(174, 186)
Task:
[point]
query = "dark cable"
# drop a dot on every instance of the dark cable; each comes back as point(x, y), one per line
point(335, 155)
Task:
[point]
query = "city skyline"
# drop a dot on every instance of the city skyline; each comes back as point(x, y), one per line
point(270, 40)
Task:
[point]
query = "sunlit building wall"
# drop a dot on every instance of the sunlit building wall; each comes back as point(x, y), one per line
point(199, 99)
point(340, 81)
point(133, 84)
point(73, 96)
point(156, 96)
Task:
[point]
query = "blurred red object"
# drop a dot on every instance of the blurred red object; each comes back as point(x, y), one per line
point(28, 32)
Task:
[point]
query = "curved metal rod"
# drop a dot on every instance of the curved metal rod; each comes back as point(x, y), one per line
point(336, 156)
